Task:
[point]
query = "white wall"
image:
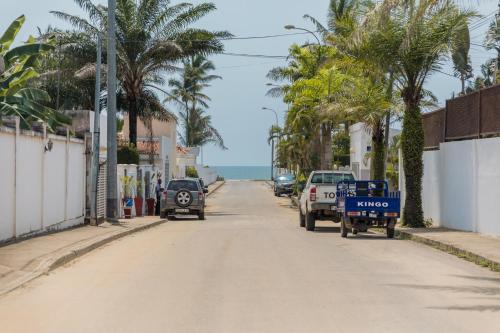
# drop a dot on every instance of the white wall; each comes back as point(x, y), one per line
point(361, 139)
point(40, 190)
point(461, 185)
point(209, 175)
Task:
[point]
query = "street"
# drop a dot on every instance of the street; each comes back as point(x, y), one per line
point(250, 268)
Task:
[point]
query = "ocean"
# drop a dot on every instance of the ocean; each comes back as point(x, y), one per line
point(244, 172)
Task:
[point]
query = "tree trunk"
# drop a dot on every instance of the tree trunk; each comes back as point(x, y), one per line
point(326, 160)
point(132, 122)
point(412, 141)
point(316, 155)
point(378, 151)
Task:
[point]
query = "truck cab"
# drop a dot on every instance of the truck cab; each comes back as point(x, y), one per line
point(318, 201)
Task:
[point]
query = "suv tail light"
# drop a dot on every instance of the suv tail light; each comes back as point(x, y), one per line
point(200, 195)
point(312, 194)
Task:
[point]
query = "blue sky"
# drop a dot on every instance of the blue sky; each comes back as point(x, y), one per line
point(237, 100)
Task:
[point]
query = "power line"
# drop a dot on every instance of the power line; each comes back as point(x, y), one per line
point(254, 55)
point(265, 36)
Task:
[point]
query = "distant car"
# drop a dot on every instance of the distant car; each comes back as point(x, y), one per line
point(183, 197)
point(284, 184)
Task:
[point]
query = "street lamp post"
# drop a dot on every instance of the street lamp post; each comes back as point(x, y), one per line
point(112, 195)
point(292, 27)
point(272, 141)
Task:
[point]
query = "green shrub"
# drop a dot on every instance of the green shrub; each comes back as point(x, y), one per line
point(220, 179)
point(128, 155)
point(191, 172)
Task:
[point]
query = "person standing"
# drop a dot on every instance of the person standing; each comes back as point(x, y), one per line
point(158, 191)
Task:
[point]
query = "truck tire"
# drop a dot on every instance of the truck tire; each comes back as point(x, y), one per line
point(163, 214)
point(343, 229)
point(390, 233)
point(302, 219)
point(310, 221)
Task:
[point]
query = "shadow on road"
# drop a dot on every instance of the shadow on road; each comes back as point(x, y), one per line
point(327, 230)
point(220, 214)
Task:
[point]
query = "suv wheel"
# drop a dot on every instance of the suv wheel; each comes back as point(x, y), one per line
point(201, 215)
point(302, 219)
point(310, 221)
point(183, 198)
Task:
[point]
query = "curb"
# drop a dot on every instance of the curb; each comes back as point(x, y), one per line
point(216, 188)
point(451, 249)
point(52, 263)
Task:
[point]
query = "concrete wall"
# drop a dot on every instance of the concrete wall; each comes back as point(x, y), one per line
point(40, 190)
point(461, 185)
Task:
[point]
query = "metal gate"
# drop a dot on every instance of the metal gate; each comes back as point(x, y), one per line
point(101, 191)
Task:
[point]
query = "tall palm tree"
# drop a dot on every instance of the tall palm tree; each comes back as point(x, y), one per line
point(188, 94)
point(413, 37)
point(152, 36)
point(460, 56)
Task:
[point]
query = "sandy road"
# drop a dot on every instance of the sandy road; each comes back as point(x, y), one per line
point(250, 268)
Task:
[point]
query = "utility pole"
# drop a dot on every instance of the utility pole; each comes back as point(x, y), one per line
point(111, 190)
point(97, 132)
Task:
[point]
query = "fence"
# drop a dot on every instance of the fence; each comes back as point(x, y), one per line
point(474, 115)
point(42, 185)
point(461, 185)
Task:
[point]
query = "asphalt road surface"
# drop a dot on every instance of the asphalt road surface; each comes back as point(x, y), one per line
point(250, 268)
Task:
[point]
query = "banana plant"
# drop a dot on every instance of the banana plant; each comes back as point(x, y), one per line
point(17, 69)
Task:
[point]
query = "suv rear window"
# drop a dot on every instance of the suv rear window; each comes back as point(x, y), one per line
point(331, 178)
point(176, 185)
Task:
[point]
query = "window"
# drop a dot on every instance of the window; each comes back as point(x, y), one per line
point(177, 185)
point(285, 178)
point(331, 178)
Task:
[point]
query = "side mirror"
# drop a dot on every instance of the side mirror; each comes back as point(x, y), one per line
point(205, 190)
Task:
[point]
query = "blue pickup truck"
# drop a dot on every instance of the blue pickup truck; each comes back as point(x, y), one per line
point(365, 204)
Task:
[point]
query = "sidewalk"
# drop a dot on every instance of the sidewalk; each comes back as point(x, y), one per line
point(480, 249)
point(28, 259)
point(24, 261)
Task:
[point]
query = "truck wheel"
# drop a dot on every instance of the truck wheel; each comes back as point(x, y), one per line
point(310, 221)
point(343, 229)
point(163, 214)
point(302, 219)
point(390, 232)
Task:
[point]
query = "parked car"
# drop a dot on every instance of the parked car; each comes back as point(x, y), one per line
point(318, 201)
point(284, 184)
point(183, 197)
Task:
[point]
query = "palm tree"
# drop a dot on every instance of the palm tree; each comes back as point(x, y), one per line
point(152, 36)
point(188, 94)
point(413, 37)
point(460, 56)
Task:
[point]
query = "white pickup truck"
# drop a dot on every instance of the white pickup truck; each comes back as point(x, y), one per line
point(318, 200)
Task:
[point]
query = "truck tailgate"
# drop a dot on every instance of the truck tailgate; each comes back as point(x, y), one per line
point(326, 193)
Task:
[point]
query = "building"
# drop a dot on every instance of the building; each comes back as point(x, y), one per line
point(157, 147)
point(361, 146)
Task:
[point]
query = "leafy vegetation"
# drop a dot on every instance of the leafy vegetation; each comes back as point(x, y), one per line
point(374, 61)
point(128, 155)
point(152, 36)
point(187, 93)
point(18, 66)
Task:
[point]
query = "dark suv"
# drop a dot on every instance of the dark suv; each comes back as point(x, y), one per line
point(283, 184)
point(183, 197)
